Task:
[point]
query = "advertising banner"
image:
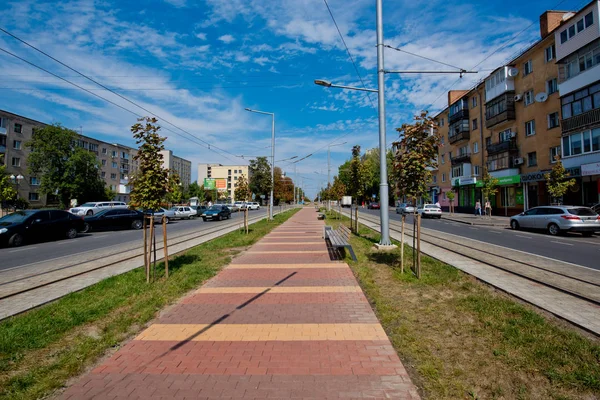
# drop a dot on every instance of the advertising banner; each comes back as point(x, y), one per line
point(221, 184)
point(209, 184)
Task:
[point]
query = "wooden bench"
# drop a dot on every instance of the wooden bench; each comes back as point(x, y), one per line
point(321, 216)
point(339, 238)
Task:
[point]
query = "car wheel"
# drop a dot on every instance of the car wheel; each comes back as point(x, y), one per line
point(86, 228)
point(137, 224)
point(204, 219)
point(90, 212)
point(229, 216)
point(166, 220)
point(218, 217)
point(553, 229)
point(71, 233)
point(587, 234)
point(15, 240)
point(514, 225)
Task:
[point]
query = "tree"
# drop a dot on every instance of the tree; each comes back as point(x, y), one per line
point(338, 189)
point(64, 169)
point(175, 191)
point(242, 190)
point(7, 191)
point(260, 171)
point(356, 185)
point(490, 185)
point(450, 195)
point(557, 181)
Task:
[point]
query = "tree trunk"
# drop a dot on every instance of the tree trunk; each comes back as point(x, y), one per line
point(165, 249)
point(402, 245)
point(146, 266)
point(418, 247)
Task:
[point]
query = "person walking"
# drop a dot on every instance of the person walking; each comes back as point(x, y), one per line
point(478, 208)
point(488, 208)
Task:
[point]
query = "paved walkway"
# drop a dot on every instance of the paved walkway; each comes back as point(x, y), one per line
point(282, 321)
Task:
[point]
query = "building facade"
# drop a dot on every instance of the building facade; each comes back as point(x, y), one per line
point(231, 173)
point(179, 165)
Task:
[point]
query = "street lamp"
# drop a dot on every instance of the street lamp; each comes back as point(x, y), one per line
point(272, 156)
point(17, 180)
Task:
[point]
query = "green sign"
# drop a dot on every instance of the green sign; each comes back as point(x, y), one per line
point(519, 196)
point(210, 184)
point(509, 180)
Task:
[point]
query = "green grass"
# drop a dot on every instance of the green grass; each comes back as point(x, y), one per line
point(459, 338)
point(41, 349)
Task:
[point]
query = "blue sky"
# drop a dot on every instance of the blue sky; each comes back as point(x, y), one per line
point(199, 63)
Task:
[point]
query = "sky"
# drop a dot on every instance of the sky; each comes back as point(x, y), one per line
point(197, 64)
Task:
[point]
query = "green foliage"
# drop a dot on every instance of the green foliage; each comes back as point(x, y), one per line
point(416, 156)
point(175, 190)
point(7, 190)
point(450, 195)
point(68, 171)
point(242, 190)
point(338, 189)
point(151, 183)
point(260, 171)
point(490, 184)
point(557, 180)
point(357, 175)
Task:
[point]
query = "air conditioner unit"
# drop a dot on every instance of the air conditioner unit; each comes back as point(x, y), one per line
point(518, 161)
point(512, 72)
point(518, 97)
point(513, 135)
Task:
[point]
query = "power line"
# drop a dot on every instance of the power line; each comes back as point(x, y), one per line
point(420, 56)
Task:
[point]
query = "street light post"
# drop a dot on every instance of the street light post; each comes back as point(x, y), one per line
point(17, 180)
point(272, 157)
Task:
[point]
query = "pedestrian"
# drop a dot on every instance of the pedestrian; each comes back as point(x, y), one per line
point(478, 208)
point(437, 204)
point(488, 208)
point(209, 204)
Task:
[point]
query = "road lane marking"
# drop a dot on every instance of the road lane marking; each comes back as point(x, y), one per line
point(499, 233)
point(475, 229)
point(23, 249)
point(525, 237)
point(566, 244)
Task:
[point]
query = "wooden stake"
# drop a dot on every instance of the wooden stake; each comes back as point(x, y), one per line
point(419, 247)
point(356, 219)
point(402, 245)
point(165, 249)
point(146, 251)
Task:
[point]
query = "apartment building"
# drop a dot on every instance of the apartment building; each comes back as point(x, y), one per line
point(179, 165)
point(231, 173)
point(578, 59)
point(510, 123)
point(116, 160)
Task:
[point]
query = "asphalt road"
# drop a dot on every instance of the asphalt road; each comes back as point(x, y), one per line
point(46, 251)
point(572, 247)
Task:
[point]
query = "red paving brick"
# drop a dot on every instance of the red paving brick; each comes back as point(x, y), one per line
point(261, 369)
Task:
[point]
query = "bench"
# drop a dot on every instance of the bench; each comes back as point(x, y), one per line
point(339, 238)
point(321, 216)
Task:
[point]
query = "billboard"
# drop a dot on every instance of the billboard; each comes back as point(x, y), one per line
point(221, 184)
point(209, 184)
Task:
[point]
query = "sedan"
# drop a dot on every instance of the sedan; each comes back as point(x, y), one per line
point(119, 219)
point(430, 211)
point(182, 212)
point(405, 208)
point(558, 219)
point(158, 214)
point(373, 206)
point(217, 212)
point(30, 225)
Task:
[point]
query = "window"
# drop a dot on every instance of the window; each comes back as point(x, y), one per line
point(551, 86)
point(103, 162)
point(530, 128)
point(450, 155)
point(457, 171)
point(443, 159)
point(553, 120)
point(93, 147)
point(474, 101)
point(581, 101)
point(582, 142)
point(443, 177)
point(114, 165)
point(434, 178)
point(527, 68)
point(17, 144)
point(34, 196)
point(113, 176)
point(564, 36)
point(475, 124)
point(228, 172)
point(122, 176)
point(577, 27)
point(554, 153)
point(531, 159)
point(442, 122)
point(33, 181)
point(476, 170)
point(442, 140)
point(550, 53)
point(16, 162)
point(589, 19)
point(505, 136)
point(18, 128)
point(104, 150)
point(528, 97)
point(103, 174)
point(113, 153)
point(235, 178)
point(488, 141)
point(476, 147)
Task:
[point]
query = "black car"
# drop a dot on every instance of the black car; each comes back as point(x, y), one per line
point(115, 218)
point(217, 212)
point(32, 225)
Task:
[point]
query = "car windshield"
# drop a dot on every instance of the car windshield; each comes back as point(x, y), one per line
point(582, 211)
point(88, 205)
point(15, 217)
point(215, 208)
point(174, 208)
point(101, 212)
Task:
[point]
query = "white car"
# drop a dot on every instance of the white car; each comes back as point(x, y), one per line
point(405, 208)
point(253, 206)
point(430, 211)
point(183, 212)
point(93, 207)
point(234, 207)
point(239, 205)
point(158, 214)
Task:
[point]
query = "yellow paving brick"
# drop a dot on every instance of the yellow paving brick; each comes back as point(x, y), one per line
point(289, 252)
point(279, 289)
point(286, 266)
point(262, 332)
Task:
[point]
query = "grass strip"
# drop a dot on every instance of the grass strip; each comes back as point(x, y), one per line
point(460, 338)
point(43, 348)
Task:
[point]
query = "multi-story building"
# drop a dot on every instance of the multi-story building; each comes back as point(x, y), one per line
point(179, 165)
point(231, 173)
point(578, 57)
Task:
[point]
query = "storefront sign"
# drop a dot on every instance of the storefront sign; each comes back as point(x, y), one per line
point(539, 175)
point(509, 180)
point(590, 169)
point(468, 181)
point(520, 199)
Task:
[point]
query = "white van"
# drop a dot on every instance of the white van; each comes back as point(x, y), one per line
point(93, 207)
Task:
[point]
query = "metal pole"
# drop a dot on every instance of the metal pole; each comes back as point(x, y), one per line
point(272, 166)
point(383, 187)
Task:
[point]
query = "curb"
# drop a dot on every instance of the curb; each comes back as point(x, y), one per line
point(476, 224)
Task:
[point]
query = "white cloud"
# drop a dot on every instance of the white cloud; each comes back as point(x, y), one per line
point(261, 60)
point(227, 39)
point(177, 3)
point(201, 35)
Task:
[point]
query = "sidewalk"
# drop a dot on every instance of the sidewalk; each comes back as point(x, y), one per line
point(471, 219)
point(281, 321)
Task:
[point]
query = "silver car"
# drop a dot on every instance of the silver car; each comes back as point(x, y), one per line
point(405, 208)
point(558, 219)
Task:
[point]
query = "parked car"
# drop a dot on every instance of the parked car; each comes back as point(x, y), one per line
point(430, 211)
point(183, 212)
point(234, 207)
point(558, 219)
point(373, 206)
point(253, 205)
point(217, 212)
point(119, 218)
point(93, 207)
point(158, 214)
point(239, 204)
point(405, 208)
point(199, 210)
point(30, 225)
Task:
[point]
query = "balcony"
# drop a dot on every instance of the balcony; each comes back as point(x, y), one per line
point(581, 121)
point(457, 116)
point(2, 130)
point(500, 110)
point(461, 158)
point(462, 135)
point(501, 147)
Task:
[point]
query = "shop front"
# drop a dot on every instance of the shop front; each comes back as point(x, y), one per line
point(509, 198)
point(536, 193)
point(590, 179)
point(468, 191)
